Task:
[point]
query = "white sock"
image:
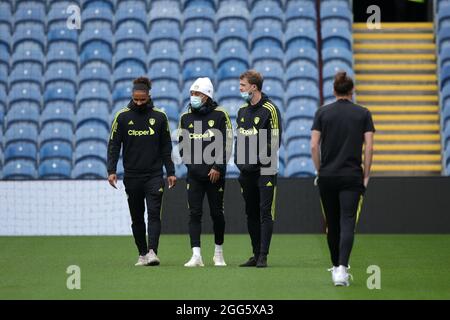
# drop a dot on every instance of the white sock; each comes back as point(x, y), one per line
point(218, 248)
point(196, 251)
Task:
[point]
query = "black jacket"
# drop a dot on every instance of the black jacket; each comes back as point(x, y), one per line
point(145, 136)
point(200, 126)
point(250, 120)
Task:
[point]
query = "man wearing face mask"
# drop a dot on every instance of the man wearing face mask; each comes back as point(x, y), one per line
point(202, 128)
point(256, 156)
point(143, 131)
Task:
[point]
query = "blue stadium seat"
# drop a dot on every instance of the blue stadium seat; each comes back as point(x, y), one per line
point(444, 59)
point(59, 91)
point(299, 36)
point(55, 169)
point(25, 132)
point(198, 30)
point(301, 10)
point(5, 42)
point(165, 11)
point(122, 91)
point(131, 11)
point(298, 128)
point(267, 11)
point(29, 31)
point(204, 4)
point(199, 10)
point(90, 149)
point(232, 30)
point(26, 72)
point(165, 70)
point(231, 69)
point(232, 11)
point(28, 52)
point(336, 13)
point(336, 37)
point(445, 114)
point(445, 76)
point(298, 148)
point(443, 39)
point(20, 170)
point(443, 17)
point(63, 51)
point(195, 69)
point(265, 35)
point(165, 89)
point(23, 112)
point(95, 71)
point(302, 89)
point(98, 32)
point(26, 91)
point(4, 78)
point(27, 11)
point(131, 31)
point(93, 90)
point(164, 30)
point(55, 149)
point(300, 167)
point(58, 111)
point(270, 69)
point(303, 103)
point(56, 131)
point(130, 51)
point(164, 50)
point(92, 131)
point(300, 112)
point(342, 54)
point(228, 89)
point(6, 16)
point(58, 31)
point(93, 111)
point(447, 137)
point(275, 90)
point(333, 66)
point(299, 70)
point(301, 54)
point(170, 109)
point(98, 10)
point(199, 50)
point(20, 150)
point(89, 169)
point(128, 70)
point(267, 53)
point(61, 71)
point(58, 11)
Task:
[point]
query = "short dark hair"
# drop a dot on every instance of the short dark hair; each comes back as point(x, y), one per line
point(343, 84)
point(253, 77)
point(143, 81)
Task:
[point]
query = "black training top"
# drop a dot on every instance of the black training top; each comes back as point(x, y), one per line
point(342, 125)
point(144, 133)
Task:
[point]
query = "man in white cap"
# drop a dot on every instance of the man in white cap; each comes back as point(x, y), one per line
point(205, 140)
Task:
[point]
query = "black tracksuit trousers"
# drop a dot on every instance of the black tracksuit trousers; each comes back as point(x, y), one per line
point(196, 190)
point(149, 191)
point(259, 193)
point(341, 199)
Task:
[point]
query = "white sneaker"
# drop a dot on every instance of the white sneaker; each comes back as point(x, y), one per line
point(342, 277)
point(142, 261)
point(333, 273)
point(196, 261)
point(218, 259)
point(152, 258)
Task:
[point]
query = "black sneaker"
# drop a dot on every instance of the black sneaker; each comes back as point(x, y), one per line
point(262, 261)
point(250, 263)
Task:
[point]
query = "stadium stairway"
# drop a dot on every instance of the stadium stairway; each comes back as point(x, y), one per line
point(395, 70)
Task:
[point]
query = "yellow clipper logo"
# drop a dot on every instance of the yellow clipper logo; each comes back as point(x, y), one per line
point(256, 120)
point(197, 136)
point(151, 121)
point(249, 132)
point(138, 133)
point(211, 123)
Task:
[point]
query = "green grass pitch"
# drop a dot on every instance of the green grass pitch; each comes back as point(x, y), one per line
point(412, 267)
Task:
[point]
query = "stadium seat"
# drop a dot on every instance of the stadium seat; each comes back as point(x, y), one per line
point(26, 72)
point(56, 131)
point(26, 91)
point(96, 51)
point(59, 91)
point(131, 11)
point(229, 89)
point(95, 71)
point(199, 50)
point(445, 76)
point(21, 150)
point(93, 111)
point(58, 111)
point(198, 30)
point(96, 32)
point(98, 10)
point(62, 51)
point(300, 112)
point(23, 112)
point(89, 169)
point(90, 149)
point(29, 31)
point(165, 11)
point(61, 71)
point(5, 45)
point(55, 149)
point(336, 13)
point(164, 30)
point(339, 54)
point(300, 167)
point(301, 70)
point(298, 148)
point(301, 10)
point(232, 11)
point(298, 128)
point(270, 69)
point(94, 90)
point(234, 29)
point(300, 36)
point(232, 50)
point(28, 51)
point(131, 31)
point(444, 59)
point(20, 170)
point(92, 131)
point(443, 17)
point(122, 91)
point(6, 16)
point(27, 11)
point(268, 53)
point(167, 90)
point(55, 169)
point(336, 37)
point(164, 50)
point(268, 13)
point(266, 35)
point(25, 132)
point(128, 71)
point(130, 51)
point(195, 69)
point(301, 54)
point(231, 69)
point(302, 89)
point(199, 10)
point(58, 11)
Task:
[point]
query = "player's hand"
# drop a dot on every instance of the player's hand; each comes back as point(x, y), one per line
point(214, 175)
point(112, 179)
point(172, 181)
point(366, 182)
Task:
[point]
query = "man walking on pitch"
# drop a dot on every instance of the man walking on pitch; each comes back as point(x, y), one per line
point(339, 131)
point(256, 156)
point(205, 131)
point(143, 131)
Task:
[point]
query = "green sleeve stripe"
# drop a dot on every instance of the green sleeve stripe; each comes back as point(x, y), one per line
point(114, 124)
point(275, 113)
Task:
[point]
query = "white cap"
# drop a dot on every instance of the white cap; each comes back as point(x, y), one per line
point(203, 85)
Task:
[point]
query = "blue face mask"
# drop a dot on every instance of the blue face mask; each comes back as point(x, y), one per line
point(247, 96)
point(196, 102)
